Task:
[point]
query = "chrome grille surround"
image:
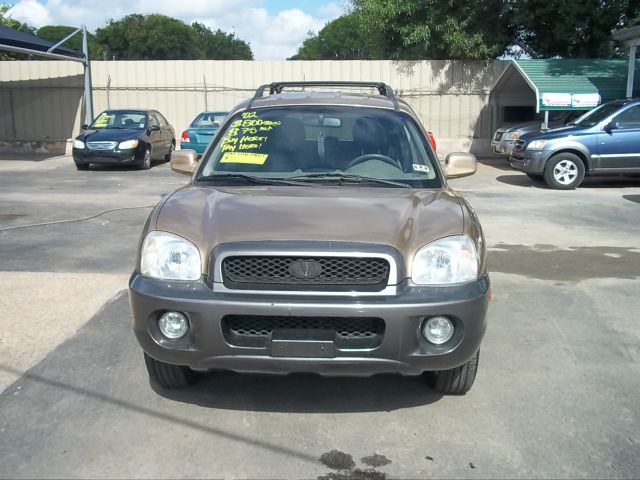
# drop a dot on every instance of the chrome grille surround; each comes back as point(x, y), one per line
point(101, 145)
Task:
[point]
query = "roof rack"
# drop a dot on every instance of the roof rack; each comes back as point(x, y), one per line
point(277, 87)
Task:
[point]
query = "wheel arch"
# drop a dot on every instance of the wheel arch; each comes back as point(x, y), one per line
point(583, 155)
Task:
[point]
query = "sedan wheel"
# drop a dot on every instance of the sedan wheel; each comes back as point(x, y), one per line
point(172, 148)
point(564, 171)
point(146, 161)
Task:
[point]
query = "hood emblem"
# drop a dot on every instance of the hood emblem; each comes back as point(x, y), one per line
point(305, 269)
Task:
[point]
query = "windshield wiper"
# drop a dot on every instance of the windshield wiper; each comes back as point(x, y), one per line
point(223, 177)
point(348, 178)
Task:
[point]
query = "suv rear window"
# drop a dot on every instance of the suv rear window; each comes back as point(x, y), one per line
point(287, 142)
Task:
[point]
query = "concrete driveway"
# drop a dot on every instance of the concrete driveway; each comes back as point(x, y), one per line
point(556, 394)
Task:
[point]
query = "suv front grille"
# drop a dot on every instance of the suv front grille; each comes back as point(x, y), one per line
point(305, 273)
point(346, 332)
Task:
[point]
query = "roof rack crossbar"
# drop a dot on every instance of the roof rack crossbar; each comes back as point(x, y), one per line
point(277, 87)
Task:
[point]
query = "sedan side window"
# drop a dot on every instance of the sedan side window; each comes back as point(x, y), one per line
point(630, 118)
point(161, 120)
point(153, 120)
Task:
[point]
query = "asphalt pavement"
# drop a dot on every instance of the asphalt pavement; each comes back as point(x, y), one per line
point(555, 396)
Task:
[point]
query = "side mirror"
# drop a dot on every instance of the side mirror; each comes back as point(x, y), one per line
point(184, 161)
point(84, 126)
point(458, 165)
point(611, 126)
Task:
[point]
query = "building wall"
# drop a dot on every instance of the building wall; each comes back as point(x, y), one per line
point(41, 101)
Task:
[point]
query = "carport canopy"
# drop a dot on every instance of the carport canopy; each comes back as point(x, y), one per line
point(567, 84)
point(20, 42)
point(16, 41)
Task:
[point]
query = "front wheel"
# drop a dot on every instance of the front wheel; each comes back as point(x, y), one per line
point(564, 171)
point(456, 381)
point(146, 160)
point(167, 375)
point(172, 149)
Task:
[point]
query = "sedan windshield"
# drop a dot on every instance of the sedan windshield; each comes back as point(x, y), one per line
point(332, 145)
point(120, 119)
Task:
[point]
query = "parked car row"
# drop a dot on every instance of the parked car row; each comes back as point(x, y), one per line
point(606, 140)
point(137, 137)
point(505, 138)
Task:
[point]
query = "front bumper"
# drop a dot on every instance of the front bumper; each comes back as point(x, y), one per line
point(502, 147)
point(529, 161)
point(402, 348)
point(105, 157)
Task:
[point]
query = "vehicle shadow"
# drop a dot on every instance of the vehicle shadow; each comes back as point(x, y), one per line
point(632, 198)
point(520, 180)
point(125, 168)
point(304, 393)
point(500, 163)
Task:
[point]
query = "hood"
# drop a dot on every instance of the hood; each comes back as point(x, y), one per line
point(110, 134)
point(553, 133)
point(403, 218)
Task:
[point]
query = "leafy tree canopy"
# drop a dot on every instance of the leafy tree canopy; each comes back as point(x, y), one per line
point(484, 29)
point(55, 33)
point(150, 37)
point(219, 45)
point(343, 39)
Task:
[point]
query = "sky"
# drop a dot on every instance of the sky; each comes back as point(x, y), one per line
point(274, 28)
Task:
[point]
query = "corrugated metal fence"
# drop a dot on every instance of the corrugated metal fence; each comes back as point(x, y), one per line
point(42, 100)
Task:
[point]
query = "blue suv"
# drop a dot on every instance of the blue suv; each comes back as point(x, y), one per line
point(605, 140)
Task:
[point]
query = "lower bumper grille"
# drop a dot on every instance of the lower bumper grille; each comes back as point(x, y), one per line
point(346, 332)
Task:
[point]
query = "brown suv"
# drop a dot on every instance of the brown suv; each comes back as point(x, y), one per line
point(317, 234)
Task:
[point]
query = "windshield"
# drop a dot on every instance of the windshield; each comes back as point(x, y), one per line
point(209, 120)
point(598, 114)
point(120, 119)
point(323, 144)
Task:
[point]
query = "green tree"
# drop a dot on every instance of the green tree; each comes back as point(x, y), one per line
point(435, 29)
point(55, 33)
point(7, 21)
point(571, 28)
point(343, 39)
point(150, 37)
point(219, 45)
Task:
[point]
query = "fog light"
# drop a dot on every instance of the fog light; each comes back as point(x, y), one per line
point(437, 330)
point(173, 325)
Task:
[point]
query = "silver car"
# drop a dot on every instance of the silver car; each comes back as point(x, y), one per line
point(505, 138)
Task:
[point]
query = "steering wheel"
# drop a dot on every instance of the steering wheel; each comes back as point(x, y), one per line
point(373, 156)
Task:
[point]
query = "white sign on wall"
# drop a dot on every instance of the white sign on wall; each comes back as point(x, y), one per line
point(585, 100)
point(556, 99)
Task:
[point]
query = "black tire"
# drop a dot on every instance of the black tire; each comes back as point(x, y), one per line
point(172, 148)
point(145, 164)
point(564, 171)
point(82, 166)
point(167, 375)
point(456, 381)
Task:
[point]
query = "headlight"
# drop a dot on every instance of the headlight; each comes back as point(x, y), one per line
point(79, 144)
point(166, 256)
point(128, 144)
point(513, 136)
point(448, 260)
point(537, 144)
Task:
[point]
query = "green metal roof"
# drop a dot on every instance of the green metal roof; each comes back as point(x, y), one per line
point(566, 84)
